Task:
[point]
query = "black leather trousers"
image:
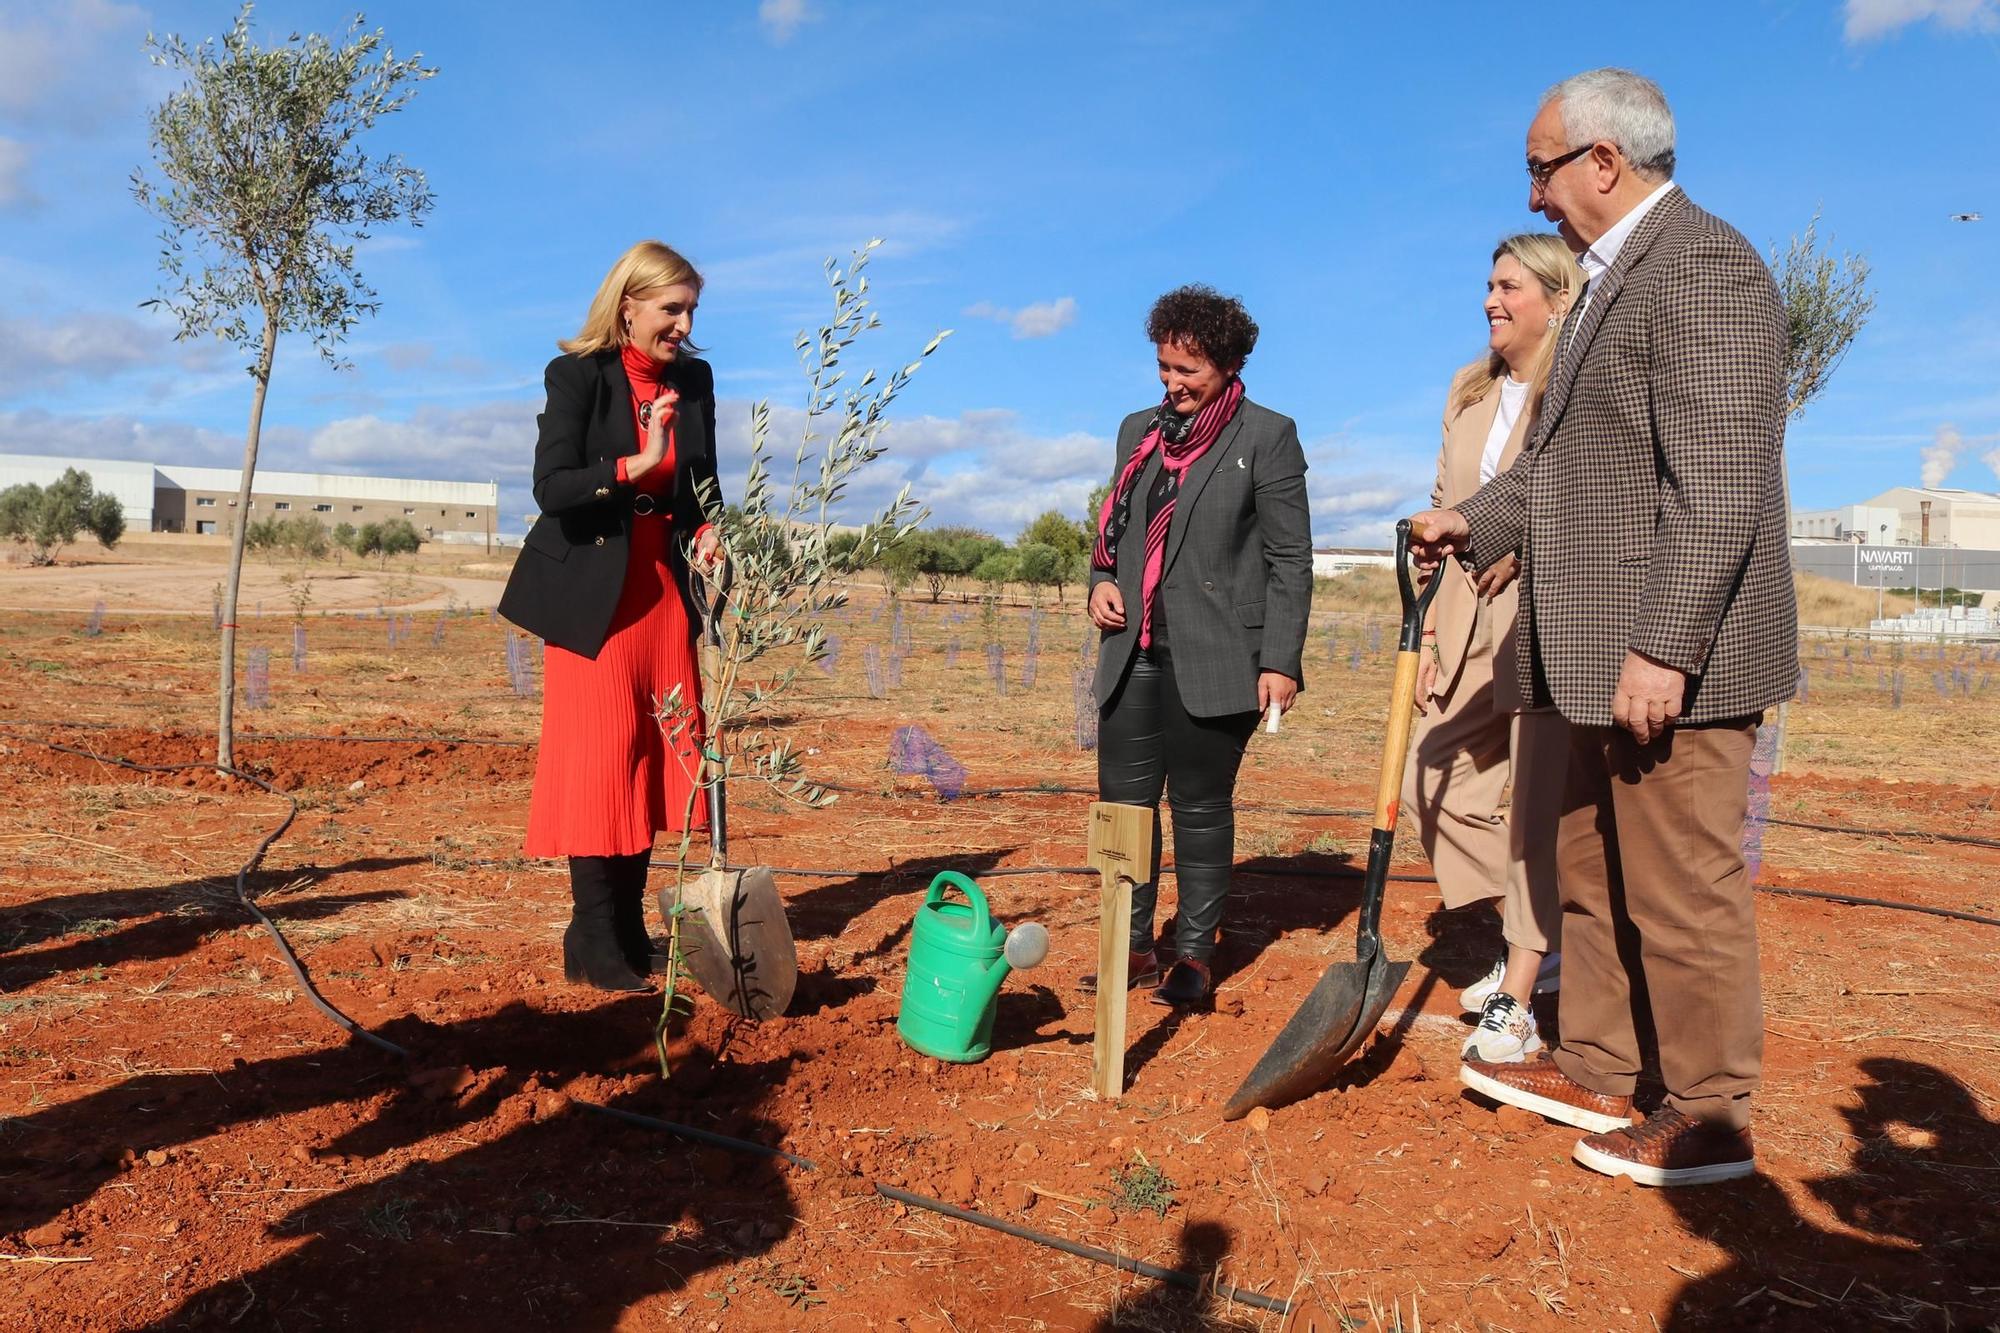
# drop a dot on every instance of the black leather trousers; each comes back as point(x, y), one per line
point(1146, 742)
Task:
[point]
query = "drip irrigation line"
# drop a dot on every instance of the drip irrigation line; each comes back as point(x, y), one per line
point(1172, 1276)
point(1964, 839)
point(1855, 900)
point(968, 793)
point(285, 951)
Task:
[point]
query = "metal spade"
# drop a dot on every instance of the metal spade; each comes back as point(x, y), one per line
point(1346, 1004)
point(735, 939)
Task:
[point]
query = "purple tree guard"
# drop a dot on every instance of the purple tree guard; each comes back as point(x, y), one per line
point(1083, 693)
point(1028, 661)
point(298, 647)
point(914, 750)
point(257, 680)
point(1354, 659)
point(951, 653)
point(1805, 686)
point(437, 633)
point(832, 658)
point(1763, 759)
point(996, 667)
point(1374, 637)
point(893, 675)
point(96, 625)
point(871, 669)
point(1896, 689)
point(215, 618)
point(1938, 682)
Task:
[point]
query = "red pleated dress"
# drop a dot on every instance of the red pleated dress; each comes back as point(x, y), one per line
point(614, 770)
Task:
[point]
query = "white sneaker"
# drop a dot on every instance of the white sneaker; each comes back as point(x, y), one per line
point(1548, 977)
point(1506, 1033)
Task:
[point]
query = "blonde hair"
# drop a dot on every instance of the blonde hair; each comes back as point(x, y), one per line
point(1544, 255)
point(647, 265)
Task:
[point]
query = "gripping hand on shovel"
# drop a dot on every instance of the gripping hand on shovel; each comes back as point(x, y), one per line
point(1435, 534)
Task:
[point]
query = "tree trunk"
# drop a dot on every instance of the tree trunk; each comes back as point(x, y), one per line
point(225, 722)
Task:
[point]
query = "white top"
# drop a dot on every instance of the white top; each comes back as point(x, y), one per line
point(1513, 397)
point(1603, 252)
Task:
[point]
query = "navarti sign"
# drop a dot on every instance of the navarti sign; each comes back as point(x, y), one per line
point(1899, 566)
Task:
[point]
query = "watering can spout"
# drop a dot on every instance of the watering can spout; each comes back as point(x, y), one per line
point(979, 995)
point(1027, 945)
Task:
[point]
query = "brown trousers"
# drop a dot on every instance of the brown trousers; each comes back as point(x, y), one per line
point(1658, 917)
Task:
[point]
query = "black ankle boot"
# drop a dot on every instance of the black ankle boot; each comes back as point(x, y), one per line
point(628, 911)
point(591, 952)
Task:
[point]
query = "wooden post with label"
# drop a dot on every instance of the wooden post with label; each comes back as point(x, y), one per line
point(1121, 852)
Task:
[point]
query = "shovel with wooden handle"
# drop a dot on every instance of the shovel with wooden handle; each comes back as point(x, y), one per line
point(1344, 1007)
point(735, 940)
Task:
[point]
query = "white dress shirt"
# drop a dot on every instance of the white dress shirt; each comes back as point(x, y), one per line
point(1603, 252)
point(1513, 397)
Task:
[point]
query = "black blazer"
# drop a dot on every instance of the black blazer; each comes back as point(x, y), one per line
point(1237, 571)
point(567, 579)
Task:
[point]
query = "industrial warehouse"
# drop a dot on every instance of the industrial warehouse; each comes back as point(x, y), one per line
point(165, 497)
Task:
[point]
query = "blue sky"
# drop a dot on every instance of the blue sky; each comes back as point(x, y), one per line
point(1041, 171)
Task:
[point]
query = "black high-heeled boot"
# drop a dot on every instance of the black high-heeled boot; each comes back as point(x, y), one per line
point(628, 911)
point(591, 952)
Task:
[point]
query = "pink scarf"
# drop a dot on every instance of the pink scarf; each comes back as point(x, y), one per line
point(1176, 458)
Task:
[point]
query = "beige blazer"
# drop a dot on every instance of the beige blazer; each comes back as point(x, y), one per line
point(1475, 642)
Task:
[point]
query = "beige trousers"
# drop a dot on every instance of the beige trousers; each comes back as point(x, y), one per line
point(1462, 756)
point(1658, 921)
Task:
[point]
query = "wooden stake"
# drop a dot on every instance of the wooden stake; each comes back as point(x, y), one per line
point(1121, 851)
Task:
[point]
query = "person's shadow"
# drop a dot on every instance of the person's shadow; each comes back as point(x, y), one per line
point(1924, 1183)
point(1165, 1308)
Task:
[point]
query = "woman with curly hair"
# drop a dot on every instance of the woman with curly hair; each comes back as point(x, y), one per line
point(1201, 580)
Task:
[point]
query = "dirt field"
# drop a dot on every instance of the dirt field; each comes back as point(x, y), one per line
point(186, 1142)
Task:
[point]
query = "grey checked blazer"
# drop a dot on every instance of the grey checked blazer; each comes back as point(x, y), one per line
point(1649, 507)
point(1236, 575)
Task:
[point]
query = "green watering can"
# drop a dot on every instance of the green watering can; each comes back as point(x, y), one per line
point(959, 955)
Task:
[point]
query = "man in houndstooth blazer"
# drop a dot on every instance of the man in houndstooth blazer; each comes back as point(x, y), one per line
point(1657, 613)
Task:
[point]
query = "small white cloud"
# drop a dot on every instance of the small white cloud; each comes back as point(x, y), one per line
point(782, 18)
point(14, 192)
point(54, 61)
point(1868, 20)
point(44, 353)
point(1039, 320)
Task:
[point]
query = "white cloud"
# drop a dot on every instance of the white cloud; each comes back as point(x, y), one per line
point(1039, 320)
point(1868, 20)
point(14, 191)
point(57, 65)
point(782, 18)
point(43, 354)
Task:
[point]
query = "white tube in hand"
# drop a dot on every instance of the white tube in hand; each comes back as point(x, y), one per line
point(1271, 716)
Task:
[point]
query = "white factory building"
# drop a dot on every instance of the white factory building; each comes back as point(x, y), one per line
point(162, 497)
point(1909, 516)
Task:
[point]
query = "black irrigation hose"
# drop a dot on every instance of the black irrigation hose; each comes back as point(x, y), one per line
point(973, 793)
point(320, 1002)
point(1172, 1276)
point(1965, 839)
point(1853, 900)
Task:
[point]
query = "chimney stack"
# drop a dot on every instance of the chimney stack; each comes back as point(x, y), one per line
point(1924, 529)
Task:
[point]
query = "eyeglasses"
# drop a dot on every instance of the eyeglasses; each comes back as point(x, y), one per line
point(1539, 172)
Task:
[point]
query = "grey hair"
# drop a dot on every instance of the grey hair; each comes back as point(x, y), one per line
point(1619, 107)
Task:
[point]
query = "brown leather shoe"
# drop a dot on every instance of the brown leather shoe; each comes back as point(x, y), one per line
point(1540, 1086)
point(1189, 984)
point(1670, 1149)
point(1141, 969)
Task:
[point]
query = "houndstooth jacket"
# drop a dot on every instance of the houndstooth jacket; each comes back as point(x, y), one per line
point(1649, 505)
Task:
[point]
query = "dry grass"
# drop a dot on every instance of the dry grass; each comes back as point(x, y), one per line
point(1824, 601)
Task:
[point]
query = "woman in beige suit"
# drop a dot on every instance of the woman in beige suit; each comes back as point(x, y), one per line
point(1479, 729)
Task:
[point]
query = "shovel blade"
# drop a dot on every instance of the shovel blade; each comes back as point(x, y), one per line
point(736, 941)
point(1331, 1025)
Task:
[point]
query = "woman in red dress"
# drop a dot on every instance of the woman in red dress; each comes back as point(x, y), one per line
point(626, 443)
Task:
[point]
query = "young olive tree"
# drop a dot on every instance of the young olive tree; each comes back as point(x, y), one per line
point(46, 519)
point(1826, 301)
point(262, 187)
point(786, 560)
